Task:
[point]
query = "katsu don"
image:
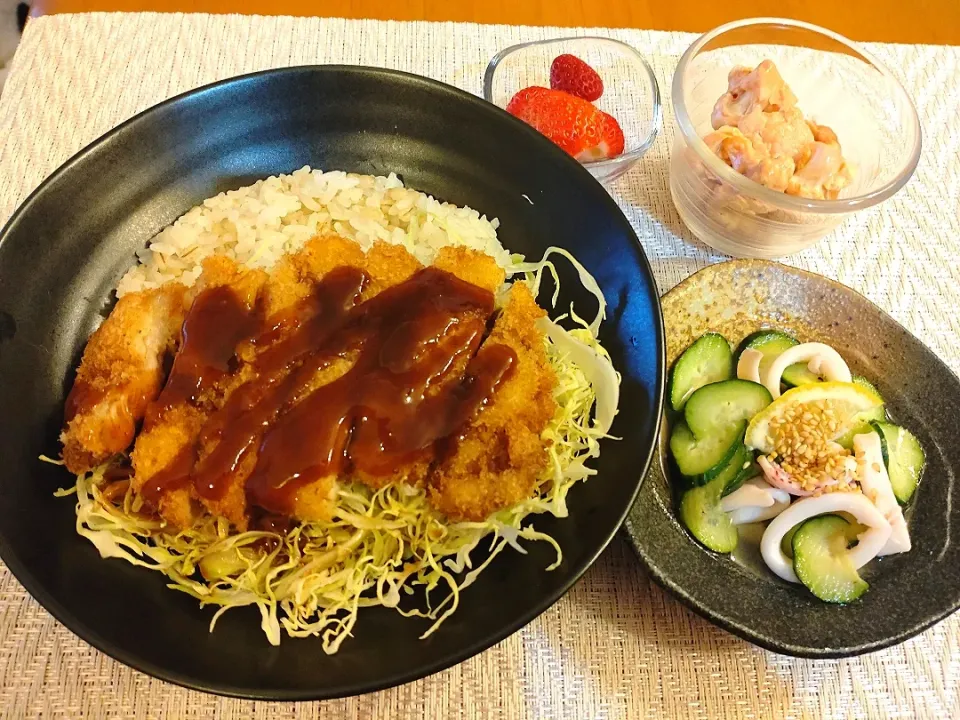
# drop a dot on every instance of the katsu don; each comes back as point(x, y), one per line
point(255, 394)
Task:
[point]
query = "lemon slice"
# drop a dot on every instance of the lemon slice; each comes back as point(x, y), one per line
point(844, 399)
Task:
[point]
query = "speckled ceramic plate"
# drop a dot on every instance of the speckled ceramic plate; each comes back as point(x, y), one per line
point(909, 592)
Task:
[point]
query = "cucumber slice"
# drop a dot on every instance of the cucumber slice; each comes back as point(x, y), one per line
point(862, 423)
point(708, 360)
point(769, 342)
point(700, 512)
point(703, 459)
point(904, 458)
point(799, 374)
point(822, 561)
point(786, 542)
point(715, 408)
point(748, 469)
point(731, 470)
point(879, 427)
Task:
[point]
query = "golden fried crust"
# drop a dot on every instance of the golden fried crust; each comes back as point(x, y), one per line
point(392, 264)
point(292, 279)
point(387, 265)
point(527, 396)
point(310, 503)
point(219, 270)
point(500, 455)
point(249, 285)
point(290, 282)
point(172, 432)
point(475, 267)
point(316, 501)
point(120, 375)
point(413, 474)
point(495, 464)
point(233, 504)
point(492, 468)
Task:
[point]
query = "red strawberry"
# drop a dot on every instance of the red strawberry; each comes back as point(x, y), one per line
point(572, 123)
point(571, 74)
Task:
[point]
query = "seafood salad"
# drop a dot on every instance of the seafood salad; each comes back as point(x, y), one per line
point(783, 433)
point(761, 133)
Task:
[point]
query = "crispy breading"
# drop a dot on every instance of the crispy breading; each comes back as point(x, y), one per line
point(294, 276)
point(291, 279)
point(389, 267)
point(120, 375)
point(308, 502)
point(290, 283)
point(233, 502)
point(386, 265)
point(219, 270)
point(171, 430)
point(475, 267)
point(496, 461)
point(316, 501)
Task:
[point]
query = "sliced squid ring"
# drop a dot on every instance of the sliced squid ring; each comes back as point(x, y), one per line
point(821, 359)
point(871, 541)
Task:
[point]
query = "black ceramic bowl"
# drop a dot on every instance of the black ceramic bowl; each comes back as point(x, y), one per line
point(67, 246)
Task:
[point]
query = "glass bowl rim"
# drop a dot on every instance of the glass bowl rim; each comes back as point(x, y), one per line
point(656, 119)
point(753, 189)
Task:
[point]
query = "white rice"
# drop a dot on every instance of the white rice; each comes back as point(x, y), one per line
point(258, 224)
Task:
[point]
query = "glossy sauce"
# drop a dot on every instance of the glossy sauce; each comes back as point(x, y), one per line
point(118, 473)
point(217, 322)
point(411, 370)
point(82, 394)
point(174, 476)
point(116, 481)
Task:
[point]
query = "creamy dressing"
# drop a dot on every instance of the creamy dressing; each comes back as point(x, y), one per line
point(761, 133)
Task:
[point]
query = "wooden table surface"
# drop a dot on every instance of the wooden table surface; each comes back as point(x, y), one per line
point(922, 21)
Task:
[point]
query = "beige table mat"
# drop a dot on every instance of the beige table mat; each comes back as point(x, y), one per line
point(616, 646)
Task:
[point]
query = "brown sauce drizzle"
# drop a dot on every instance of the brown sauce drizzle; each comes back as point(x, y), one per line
point(217, 322)
point(117, 473)
point(82, 394)
point(174, 476)
point(405, 390)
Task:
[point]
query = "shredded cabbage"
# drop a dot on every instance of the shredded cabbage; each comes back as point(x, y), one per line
point(534, 273)
point(380, 544)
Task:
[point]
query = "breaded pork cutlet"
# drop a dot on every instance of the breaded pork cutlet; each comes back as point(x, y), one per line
point(121, 373)
point(173, 440)
point(165, 448)
point(499, 455)
point(385, 265)
point(285, 298)
point(477, 269)
point(203, 440)
point(292, 280)
point(471, 266)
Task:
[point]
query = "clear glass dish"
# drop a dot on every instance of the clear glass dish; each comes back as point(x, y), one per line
point(631, 93)
point(837, 84)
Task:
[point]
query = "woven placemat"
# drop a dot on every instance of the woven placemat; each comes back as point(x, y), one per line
point(616, 646)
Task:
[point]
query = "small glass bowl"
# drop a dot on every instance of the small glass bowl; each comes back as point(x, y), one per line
point(836, 84)
point(630, 90)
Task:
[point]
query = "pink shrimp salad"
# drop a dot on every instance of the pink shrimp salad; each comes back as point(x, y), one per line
point(762, 134)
